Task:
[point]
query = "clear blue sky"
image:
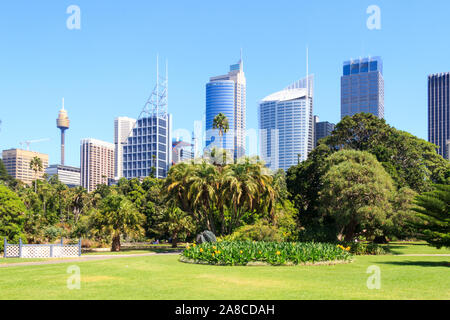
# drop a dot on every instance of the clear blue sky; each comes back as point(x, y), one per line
point(107, 68)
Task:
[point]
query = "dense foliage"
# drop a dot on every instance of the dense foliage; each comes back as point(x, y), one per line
point(12, 216)
point(274, 253)
point(412, 163)
point(433, 212)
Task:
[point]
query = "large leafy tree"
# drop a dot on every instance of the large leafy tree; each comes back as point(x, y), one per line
point(117, 217)
point(433, 212)
point(411, 161)
point(356, 193)
point(12, 215)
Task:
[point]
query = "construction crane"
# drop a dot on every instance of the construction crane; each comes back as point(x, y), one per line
point(29, 142)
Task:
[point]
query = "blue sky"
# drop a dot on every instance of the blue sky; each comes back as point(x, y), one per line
point(107, 68)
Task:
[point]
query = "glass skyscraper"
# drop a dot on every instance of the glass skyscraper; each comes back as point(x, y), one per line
point(227, 94)
point(286, 125)
point(322, 129)
point(148, 147)
point(362, 87)
point(439, 112)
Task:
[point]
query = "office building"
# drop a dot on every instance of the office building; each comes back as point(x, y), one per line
point(97, 163)
point(17, 164)
point(148, 149)
point(123, 128)
point(439, 111)
point(322, 129)
point(70, 176)
point(362, 87)
point(182, 151)
point(227, 94)
point(286, 125)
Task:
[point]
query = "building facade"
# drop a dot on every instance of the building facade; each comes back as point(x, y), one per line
point(362, 87)
point(17, 164)
point(227, 94)
point(439, 111)
point(97, 163)
point(123, 128)
point(182, 151)
point(322, 129)
point(286, 125)
point(70, 176)
point(149, 148)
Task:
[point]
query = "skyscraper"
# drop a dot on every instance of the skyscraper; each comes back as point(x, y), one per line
point(149, 148)
point(362, 87)
point(17, 164)
point(322, 129)
point(439, 111)
point(123, 127)
point(97, 163)
point(286, 125)
point(227, 94)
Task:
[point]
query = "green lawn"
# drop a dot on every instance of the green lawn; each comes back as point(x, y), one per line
point(163, 277)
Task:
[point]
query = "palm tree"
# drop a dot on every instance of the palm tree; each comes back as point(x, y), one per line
point(221, 123)
point(118, 216)
point(36, 166)
point(175, 222)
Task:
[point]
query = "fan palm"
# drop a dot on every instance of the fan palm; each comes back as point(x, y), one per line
point(36, 166)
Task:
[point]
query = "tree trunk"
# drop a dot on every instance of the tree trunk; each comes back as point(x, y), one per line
point(174, 240)
point(116, 244)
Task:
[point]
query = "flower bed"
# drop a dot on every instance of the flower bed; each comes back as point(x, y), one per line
point(272, 253)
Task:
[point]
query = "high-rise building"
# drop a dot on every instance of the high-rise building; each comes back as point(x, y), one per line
point(97, 163)
point(362, 87)
point(17, 164)
point(286, 125)
point(322, 129)
point(227, 94)
point(123, 128)
point(439, 111)
point(63, 123)
point(149, 148)
point(70, 176)
point(182, 151)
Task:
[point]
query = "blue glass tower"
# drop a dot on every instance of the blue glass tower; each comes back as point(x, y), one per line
point(227, 94)
point(362, 87)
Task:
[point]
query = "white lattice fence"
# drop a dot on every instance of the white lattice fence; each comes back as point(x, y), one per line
point(41, 250)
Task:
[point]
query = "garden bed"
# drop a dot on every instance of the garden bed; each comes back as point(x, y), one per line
point(265, 253)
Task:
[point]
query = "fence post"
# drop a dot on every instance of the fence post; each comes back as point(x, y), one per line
point(79, 247)
point(51, 251)
point(20, 248)
point(62, 241)
point(5, 243)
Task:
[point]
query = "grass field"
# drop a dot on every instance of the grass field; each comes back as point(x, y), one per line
point(163, 277)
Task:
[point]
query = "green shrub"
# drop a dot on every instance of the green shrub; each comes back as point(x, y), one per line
point(273, 253)
point(261, 231)
point(361, 248)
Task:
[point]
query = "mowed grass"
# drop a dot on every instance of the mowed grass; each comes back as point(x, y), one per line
point(164, 277)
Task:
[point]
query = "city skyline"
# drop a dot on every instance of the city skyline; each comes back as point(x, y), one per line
point(103, 72)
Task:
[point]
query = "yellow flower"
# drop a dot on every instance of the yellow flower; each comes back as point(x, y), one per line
point(218, 251)
point(213, 254)
point(194, 245)
point(201, 249)
point(260, 252)
point(214, 247)
point(278, 253)
point(241, 252)
point(348, 248)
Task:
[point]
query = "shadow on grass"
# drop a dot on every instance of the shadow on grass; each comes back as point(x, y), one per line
point(419, 263)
